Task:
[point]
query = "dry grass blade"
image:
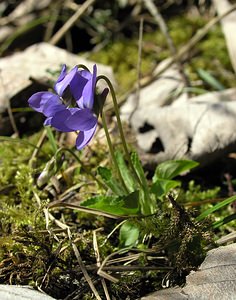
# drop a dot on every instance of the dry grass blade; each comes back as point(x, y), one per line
point(231, 237)
point(84, 271)
point(181, 53)
point(140, 46)
point(9, 110)
point(55, 13)
point(101, 271)
point(153, 9)
point(98, 258)
point(195, 39)
point(49, 216)
point(37, 149)
point(113, 230)
point(62, 31)
point(127, 269)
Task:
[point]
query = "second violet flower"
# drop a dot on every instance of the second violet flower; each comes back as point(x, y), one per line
point(76, 87)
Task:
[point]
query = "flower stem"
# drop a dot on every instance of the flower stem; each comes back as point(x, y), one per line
point(112, 150)
point(117, 113)
point(146, 202)
point(81, 66)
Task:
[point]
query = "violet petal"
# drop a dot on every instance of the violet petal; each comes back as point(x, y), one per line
point(64, 80)
point(84, 137)
point(37, 100)
point(82, 119)
point(47, 122)
point(89, 90)
point(77, 87)
point(58, 121)
point(46, 103)
point(62, 74)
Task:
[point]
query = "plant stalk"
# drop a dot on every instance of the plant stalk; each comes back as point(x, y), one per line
point(112, 150)
point(117, 113)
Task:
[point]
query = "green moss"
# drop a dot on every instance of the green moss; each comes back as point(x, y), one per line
point(31, 252)
point(210, 53)
point(123, 65)
point(195, 193)
point(18, 207)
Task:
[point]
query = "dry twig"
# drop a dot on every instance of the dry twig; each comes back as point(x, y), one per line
point(98, 258)
point(181, 53)
point(84, 271)
point(9, 110)
point(62, 31)
point(153, 9)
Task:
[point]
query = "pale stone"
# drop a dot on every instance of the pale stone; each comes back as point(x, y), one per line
point(16, 292)
point(17, 69)
point(215, 279)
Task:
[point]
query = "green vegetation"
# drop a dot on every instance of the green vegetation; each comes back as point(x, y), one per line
point(155, 49)
point(36, 244)
point(55, 203)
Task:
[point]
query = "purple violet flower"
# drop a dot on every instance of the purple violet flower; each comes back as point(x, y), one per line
point(80, 84)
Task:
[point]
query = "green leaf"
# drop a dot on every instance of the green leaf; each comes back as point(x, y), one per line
point(138, 168)
point(51, 138)
point(125, 172)
point(129, 235)
point(215, 208)
point(211, 80)
point(162, 186)
point(172, 168)
point(147, 203)
point(224, 221)
point(110, 181)
point(122, 205)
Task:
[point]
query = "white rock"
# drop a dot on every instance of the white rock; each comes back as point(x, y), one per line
point(17, 69)
point(202, 128)
point(16, 292)
point(215, 279)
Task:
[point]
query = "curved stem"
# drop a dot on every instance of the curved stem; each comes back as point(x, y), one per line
point(82, 67)
point(117, 113)
point(112, 150)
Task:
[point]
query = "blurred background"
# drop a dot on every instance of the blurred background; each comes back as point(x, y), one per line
point(108, 32)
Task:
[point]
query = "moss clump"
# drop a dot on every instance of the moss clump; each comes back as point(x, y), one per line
point(19, 210)
point(35, 244)
point(155, 49)
point(124, 66)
